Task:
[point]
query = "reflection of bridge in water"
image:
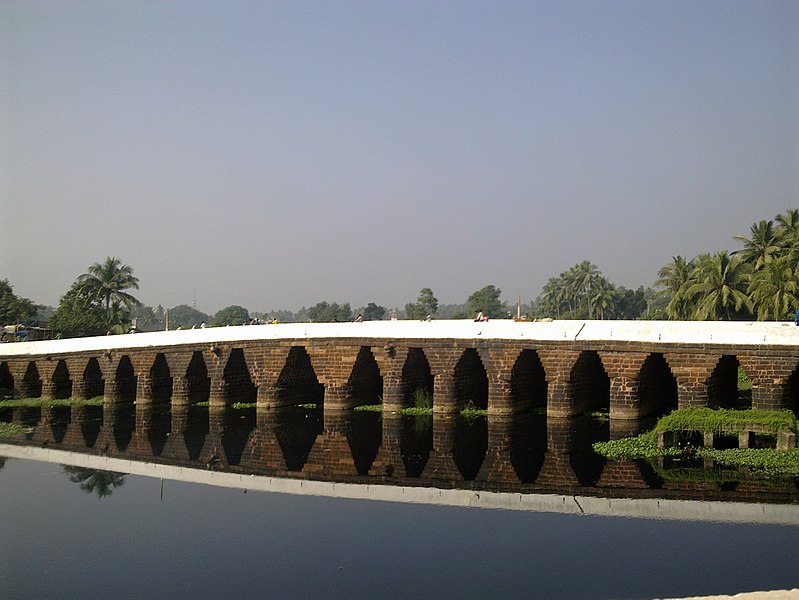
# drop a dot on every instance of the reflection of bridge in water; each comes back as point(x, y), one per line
point(297, 450)
point(631, 369)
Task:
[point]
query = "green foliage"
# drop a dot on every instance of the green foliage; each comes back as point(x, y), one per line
point(426, 304)
point(726, 420)
point(422, 404)
point(148, 318)
point(369, 408)
point(486, 300)
point(470, 411)
point(422, 398)
point(243, 405)
point(107, 283)
point(583, 292)
point(185, 316)
point(373, 312)
point(747, 462)
point(95, 481)
point(14, 309)
point(80, 313)
point(760, 280)
point(323, 312)
point(40, 402)
point(231, 315)
point(12, 429)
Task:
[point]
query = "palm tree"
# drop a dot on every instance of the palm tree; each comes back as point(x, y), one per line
point(719, 288)
point(94, 481)
point(107, 282)
point(761, 247)
point(674, 278)
point(774, 290)
point(603, 297)
point(788, 227)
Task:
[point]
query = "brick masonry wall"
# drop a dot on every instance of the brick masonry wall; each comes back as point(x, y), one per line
point(510, 374)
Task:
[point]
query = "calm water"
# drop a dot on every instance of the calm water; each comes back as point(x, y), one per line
point(150, 537)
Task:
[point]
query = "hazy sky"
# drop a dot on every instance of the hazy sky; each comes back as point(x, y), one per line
point(276, 154)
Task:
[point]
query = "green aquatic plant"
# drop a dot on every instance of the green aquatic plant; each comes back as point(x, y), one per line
point(741, 462)
point(727, 420)
point(471, 411)
point(369, 408)
point(40, 402)
point(13, 429)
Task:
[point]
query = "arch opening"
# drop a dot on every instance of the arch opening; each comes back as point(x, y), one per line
point(365, 383)
point(6, 381)
point(197, 380)
point(160, 380)
point(728, 385)
point(93, 384)
point(126, 381)
point(238, 384)
point(32, 382)
point(297, 382)
point(471, 381)
point(791, 393)
point(417, 380)
point(589, 384)
point(657, 387)
point(62, 383)
point(528, 384)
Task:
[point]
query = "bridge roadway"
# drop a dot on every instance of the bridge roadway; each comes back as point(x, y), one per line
point(630, 368)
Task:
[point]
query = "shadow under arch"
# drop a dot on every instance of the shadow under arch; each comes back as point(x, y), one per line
point(238, 384)
point(528, 445)
point(32, 381)
point(417, 379)
point(722, 385)
point(161, 380)
point(6, 381)
point(365, 383)
point(62, 382)
point(197, 380)
point(471, 381)
point(469, 445)
point(126, 379)
point(589, 384)
point(657, 387)
point(296, 430)
point(790, 398)
point(93, 383)
point(528, 383)
point(364, 437)
point(297, 382)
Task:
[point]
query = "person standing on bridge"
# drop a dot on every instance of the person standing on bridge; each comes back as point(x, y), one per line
point(797, 317)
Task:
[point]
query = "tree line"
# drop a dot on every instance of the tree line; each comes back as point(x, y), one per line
point(758, 281)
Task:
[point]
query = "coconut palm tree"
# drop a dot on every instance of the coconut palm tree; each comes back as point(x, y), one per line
point(719, 288)
point(761, 247)
point(94, 481)
point(774, 290)
point(107, 282)
point(603, 298)
point(674, 278)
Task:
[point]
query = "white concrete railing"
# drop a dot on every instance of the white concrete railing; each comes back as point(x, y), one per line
point(685, 332)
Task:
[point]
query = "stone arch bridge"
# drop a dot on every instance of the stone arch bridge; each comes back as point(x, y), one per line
point(631, 369)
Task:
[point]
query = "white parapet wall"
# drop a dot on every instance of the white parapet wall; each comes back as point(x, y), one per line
point(672, 332)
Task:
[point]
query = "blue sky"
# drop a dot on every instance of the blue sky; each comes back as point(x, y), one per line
point(275, 154)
